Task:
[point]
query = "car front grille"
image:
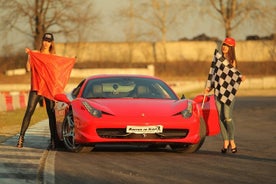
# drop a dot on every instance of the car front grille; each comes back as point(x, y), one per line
point(120, 133)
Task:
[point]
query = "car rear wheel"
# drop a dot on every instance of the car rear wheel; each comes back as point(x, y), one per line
point(68, 132)
point(191, 148)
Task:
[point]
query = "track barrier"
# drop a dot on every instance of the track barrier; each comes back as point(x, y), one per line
point(10, 101)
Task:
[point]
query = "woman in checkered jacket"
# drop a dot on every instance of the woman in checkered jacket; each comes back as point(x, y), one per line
point(224, 78)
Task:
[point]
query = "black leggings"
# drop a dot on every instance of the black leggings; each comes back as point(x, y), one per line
point(34, 99)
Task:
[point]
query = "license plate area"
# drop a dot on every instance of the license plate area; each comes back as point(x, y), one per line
point(144, 129)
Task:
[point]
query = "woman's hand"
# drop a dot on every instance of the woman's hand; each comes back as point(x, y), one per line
point(207, 90)
point(28, 66)
point(27, 50)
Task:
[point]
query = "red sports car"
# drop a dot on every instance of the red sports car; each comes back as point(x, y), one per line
point(133, 109)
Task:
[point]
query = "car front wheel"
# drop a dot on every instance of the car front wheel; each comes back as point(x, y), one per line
point(191, 148)
point(68, 132)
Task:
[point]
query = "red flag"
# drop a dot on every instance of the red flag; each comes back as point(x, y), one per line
point(50, 73)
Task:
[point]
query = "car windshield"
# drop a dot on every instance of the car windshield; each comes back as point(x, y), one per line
point(127, 87)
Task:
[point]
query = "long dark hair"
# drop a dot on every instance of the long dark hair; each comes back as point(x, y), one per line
point(52, 48)
point(231, 56)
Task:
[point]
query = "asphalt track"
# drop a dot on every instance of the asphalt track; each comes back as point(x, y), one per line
point(255, 161)
point(25, 165)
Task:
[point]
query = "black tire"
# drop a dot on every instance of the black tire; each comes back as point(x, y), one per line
point(191, 148)
point(68, 133)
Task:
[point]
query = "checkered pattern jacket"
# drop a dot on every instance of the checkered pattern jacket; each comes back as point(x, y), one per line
point(223, 78)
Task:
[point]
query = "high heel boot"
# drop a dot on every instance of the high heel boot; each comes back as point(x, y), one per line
point(20, 141)
point(224, 150)
point(234, 150)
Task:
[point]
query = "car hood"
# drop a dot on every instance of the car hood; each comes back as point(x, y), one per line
point(138, 107)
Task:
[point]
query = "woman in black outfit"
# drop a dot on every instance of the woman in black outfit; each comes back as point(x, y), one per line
point(47, 47)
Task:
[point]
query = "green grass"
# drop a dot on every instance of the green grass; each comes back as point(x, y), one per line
point(10, 122)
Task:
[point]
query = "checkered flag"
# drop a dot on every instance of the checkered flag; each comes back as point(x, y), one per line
point(224, 78)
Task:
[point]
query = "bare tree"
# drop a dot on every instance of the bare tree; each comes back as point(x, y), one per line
point(155, 18)
point(33, 18)
point(126, 14)
point(234, 13)
point(161, 16)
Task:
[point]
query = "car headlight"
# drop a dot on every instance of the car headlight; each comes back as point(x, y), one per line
point(94, 112)
point(188, 112)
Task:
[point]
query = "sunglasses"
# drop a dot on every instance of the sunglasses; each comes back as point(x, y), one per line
point(47, 41)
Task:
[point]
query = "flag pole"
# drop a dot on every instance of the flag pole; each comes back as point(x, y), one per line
point(203, 101)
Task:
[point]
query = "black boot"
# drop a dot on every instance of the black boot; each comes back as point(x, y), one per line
point(52, 144)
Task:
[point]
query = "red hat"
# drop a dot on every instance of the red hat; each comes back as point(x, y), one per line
point(230, 42)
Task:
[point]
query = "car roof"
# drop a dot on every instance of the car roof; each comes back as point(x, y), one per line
point(120, 75)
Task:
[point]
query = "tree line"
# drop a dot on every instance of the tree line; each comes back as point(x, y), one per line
point(143, 19)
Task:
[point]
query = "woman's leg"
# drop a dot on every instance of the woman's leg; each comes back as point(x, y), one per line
point(32, 103)
point(50, 106)
point(223, 127)
point(228, 111)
